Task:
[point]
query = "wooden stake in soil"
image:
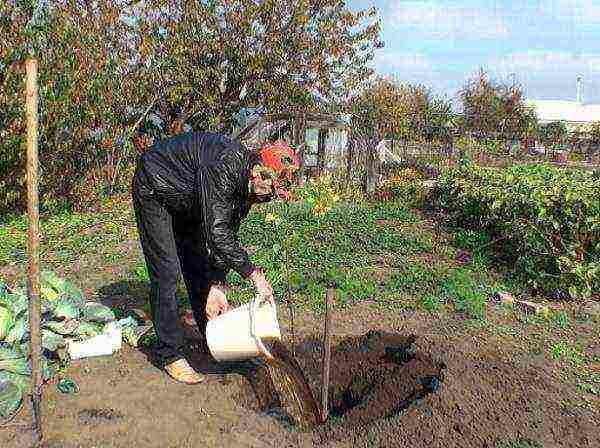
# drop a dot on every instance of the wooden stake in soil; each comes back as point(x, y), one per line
point(289, 287)
point(33, 246)
point(326, 355)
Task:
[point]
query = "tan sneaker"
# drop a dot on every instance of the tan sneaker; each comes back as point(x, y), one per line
point(181, 371)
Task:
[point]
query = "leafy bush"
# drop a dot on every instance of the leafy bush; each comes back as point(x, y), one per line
point(319, 193)
point(402, 183)
point(544, 220)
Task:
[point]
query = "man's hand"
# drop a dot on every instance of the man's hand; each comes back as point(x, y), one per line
point(262, 286)
point(216, 303)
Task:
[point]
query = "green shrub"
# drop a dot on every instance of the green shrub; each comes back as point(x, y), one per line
point(546, 220)
point(470, 239)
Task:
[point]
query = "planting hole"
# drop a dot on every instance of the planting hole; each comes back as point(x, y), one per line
point(373, 377)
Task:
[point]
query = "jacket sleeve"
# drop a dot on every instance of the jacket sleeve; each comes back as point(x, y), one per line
point(218, 184)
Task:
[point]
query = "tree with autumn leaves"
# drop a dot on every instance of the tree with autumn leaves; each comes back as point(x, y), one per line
point(386, 109)
point(495, 110)
point(112, 68)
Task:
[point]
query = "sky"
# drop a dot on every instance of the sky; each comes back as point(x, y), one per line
point(544, 44)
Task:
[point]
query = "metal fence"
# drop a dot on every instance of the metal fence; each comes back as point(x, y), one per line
point(433, 158)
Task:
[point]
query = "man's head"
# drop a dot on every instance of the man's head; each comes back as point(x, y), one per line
point(274, 172)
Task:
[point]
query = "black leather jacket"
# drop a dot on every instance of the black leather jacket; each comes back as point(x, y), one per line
point(205, 175)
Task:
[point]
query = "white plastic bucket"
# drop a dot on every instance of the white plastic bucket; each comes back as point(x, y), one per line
point(236, 335)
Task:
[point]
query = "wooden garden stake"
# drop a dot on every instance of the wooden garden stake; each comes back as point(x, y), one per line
point(33, 246)
point(289, 287)
point(326, 355)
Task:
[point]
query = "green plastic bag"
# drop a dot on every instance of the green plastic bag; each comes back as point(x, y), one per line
point(96, 312)
point(52, 341)
point(10, 398)
point(19, 330)
point(65, 309)
point(22, 366)
point(6, 321)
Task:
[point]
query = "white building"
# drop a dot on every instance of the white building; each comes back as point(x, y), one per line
point(575, 114)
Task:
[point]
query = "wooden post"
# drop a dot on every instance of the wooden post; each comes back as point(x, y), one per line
point(326, 355)
point(300, 142)
point(33, 246)
point(321, 141)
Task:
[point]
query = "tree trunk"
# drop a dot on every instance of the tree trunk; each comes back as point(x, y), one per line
point(322, 138)
point(300, 142)
point(349, 160)
point(371, 168)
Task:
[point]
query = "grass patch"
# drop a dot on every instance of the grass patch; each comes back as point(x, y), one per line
point(140, 273)
point(438, 284)
point(344, 247)
point(65, 237)
point(560, 319)
point(520, 443)
point(578, 370)
point(463, 290)
point(413, 278)
point(506, 330)
point(563, 351)
point(592, 385)
point(432, 303)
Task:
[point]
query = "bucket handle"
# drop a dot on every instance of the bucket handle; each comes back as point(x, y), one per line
point(254, 304)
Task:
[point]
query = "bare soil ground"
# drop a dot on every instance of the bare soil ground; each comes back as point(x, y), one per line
point(496, 392)
point(500, 388)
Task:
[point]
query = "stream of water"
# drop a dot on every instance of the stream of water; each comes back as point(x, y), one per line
point(287, 373)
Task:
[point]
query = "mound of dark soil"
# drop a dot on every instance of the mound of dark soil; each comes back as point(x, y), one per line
point(373, 378)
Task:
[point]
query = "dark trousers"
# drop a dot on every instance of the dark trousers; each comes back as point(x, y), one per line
point(171, 240)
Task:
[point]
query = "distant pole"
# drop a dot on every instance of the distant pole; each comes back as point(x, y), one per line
point(33, 246)
point(299, 142)
point(326, 355)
